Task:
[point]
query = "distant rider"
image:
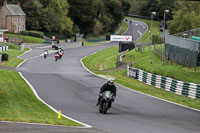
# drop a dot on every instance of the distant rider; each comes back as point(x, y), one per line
point(46, 52)
point(109, 86)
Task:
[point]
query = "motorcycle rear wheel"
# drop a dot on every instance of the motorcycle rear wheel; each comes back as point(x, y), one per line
point(105, 108)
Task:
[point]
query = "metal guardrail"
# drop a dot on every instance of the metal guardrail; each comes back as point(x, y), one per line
point(190, 90)
point(3, 48)
point(46, 38)
point(138, 16)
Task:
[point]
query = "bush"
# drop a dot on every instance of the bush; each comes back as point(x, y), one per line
point(33, 33)
point(59, 36)
point(157, 39)
point(12, 46)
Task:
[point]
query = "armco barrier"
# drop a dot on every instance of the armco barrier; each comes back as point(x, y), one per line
point(3, 48)
point(178, 87)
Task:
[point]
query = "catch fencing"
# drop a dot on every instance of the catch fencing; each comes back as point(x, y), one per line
point(182, 50)
point(190, 90)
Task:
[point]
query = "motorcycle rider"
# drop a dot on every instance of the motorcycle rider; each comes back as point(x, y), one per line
point(61, 50)
point(109, 86)
point(46, 52)
point(56, 55)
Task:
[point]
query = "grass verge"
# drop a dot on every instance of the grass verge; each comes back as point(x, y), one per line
point(146, 38)
point(28, 39)
point(178, 72)
point(13, 61)
point(124, 28)
point(18, 103)
point(121, 78)
point(108, 56)
point(86, 43)
point(105, 59)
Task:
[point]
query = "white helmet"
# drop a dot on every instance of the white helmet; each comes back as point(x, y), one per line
point(111, 82)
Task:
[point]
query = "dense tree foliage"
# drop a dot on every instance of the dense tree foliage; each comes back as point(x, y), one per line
point(102, 16)
point(84, 16)
point(145, 7)
point(97, 16)
point(46, 15)
point(186, 17)
point(183, 15)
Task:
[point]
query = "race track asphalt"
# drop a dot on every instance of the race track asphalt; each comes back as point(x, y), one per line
point(68, 86)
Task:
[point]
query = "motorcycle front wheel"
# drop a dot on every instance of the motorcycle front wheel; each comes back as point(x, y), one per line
point(101, 107)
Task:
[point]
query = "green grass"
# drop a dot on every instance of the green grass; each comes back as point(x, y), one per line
point(178, 72)
point(86, 43)
point(28, 39)
point(11, 46)
point(146, 38)
point(18, 103)
point(13, 61)
point(124, 28)
point(121, 78)
point(102, 60)
point(107, 57)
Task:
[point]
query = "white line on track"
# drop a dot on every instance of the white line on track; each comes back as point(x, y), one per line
point(35, 93)
point(135, 90)
point(56, 111)
point(139, 32)
point(22, 58)
point(81, 61)
point(39, 124)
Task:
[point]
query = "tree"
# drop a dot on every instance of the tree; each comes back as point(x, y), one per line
point(149, 7)
point(114, 11)
point(83, 13)
point(136, 6)
point(165, 5)
point(32, 8)
point(55, 16)
point(186, 17)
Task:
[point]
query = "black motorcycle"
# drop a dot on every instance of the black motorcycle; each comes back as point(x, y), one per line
point(105, 101)
point(45, 54)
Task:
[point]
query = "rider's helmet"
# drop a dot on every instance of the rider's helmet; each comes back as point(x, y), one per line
point(111, 82)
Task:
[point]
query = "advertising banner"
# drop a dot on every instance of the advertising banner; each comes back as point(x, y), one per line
point(119, 38)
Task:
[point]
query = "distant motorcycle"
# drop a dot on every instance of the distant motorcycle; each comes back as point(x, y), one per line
point(45, 54)
point(56, 56)
point(105, 101)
